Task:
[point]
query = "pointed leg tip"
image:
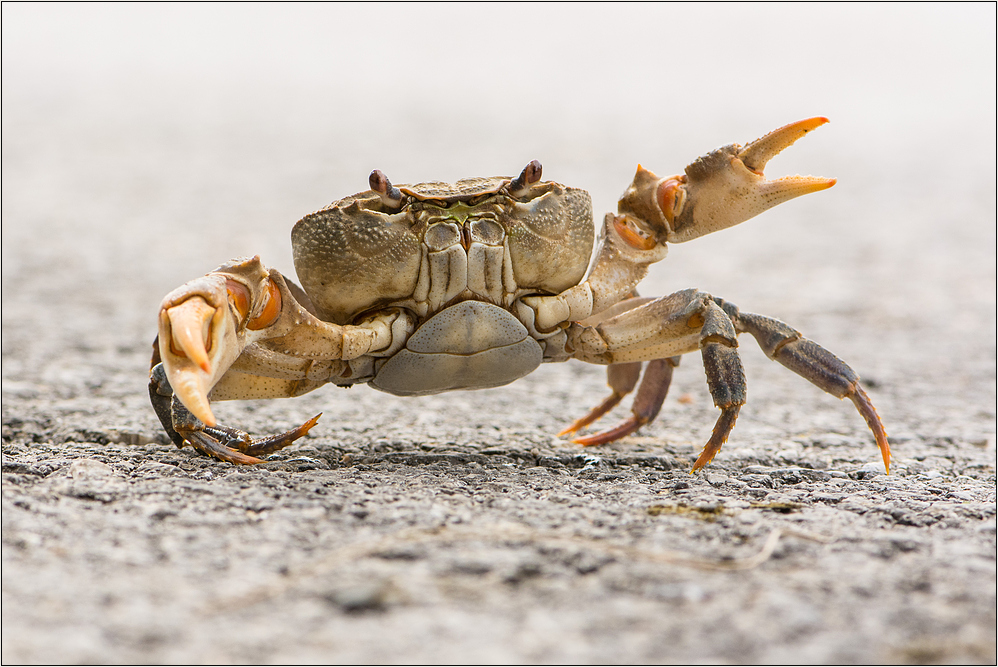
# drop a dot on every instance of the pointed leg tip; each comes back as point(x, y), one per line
point(701, 462)
point(885, 454)
point(307, 426)
point(205, 414)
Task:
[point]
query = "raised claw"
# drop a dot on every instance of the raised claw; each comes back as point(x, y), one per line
point(720, 189)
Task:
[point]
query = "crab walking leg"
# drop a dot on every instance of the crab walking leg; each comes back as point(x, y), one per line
point(647, 403)
point(221, 442)
point(677, 324)
point(229, 444)
point(621, 378)
point(812, 362)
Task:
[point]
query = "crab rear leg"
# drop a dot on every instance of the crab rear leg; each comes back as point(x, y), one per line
point(622, 379)
point(689, 320)
point(645, 408)
point(668, 327)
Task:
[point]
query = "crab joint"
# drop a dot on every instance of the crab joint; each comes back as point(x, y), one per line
point(672, 198)
point(632, 234)
point(239, 296)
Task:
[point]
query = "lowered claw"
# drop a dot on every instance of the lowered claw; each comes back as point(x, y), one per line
point(203, 325)
point(720, 189)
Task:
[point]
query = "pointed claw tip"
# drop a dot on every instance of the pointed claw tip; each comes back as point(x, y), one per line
point(807, 124)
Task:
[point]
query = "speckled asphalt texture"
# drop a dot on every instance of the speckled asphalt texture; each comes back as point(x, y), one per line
point(143, 145)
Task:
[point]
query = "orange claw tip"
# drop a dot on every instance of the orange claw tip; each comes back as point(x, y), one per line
point(817, 121)
point(805, 125)
point(865, 406)
point(757, 154)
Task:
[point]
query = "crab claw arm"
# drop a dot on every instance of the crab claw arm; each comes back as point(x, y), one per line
point(203, 326)
point(718, 190)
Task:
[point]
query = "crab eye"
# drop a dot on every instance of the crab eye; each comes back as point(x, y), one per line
point(531, 174)
point(390, 195)
point(672, 197)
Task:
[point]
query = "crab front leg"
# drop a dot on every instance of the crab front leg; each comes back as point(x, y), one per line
point(242, 332)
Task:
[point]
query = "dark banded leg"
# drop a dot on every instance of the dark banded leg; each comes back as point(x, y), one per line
point(230, 444)
point(813, 363)
point(222, 442)
point(725, 377)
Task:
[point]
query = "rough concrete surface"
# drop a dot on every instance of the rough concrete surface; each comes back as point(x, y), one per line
point(145, 144)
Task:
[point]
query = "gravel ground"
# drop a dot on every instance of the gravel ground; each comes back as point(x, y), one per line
point(145, 144)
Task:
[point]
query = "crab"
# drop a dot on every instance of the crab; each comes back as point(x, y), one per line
point(434, 287)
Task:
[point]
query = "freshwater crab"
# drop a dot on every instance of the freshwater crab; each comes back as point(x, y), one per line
point(432, 287)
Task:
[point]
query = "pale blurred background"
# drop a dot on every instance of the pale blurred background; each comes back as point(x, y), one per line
point(145, 144)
